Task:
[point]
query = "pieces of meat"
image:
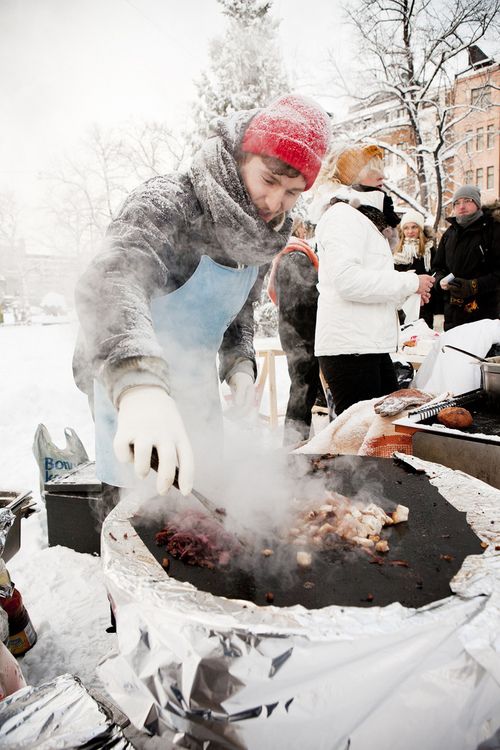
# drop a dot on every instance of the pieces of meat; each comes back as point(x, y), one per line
point(341, 518)
point(193, 537)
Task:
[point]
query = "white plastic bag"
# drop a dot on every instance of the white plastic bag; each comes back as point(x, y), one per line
point(448, 370)
point(54, 461)
point(411, 308)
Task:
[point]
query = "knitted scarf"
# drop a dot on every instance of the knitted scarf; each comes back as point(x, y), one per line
point(410, 251)
point(233, 220)
point(465, 221)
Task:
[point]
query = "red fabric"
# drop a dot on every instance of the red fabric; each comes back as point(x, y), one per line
point(295, 245)
point(293, 129)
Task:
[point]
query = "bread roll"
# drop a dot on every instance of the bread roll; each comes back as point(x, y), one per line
point(455, 417)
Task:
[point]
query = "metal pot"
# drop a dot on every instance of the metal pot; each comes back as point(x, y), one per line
point(490, 370)
point(490, 374)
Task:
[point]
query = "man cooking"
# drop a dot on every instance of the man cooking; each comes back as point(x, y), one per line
point(174, 284)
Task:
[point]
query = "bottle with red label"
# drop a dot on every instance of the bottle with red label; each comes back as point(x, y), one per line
point(22, 634)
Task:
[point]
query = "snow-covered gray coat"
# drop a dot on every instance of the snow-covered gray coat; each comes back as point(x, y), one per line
point(153, 247)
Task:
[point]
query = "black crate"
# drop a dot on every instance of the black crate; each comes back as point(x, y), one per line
point(77, 504)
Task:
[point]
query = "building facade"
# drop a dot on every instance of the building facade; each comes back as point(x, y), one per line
point(477, 158)
point(27, 278)
point(472, 144)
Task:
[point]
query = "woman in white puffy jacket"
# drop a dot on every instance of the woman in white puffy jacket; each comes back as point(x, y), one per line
point(359, 289)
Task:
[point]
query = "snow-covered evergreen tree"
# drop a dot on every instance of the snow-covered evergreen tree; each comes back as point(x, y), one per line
point(245, 69)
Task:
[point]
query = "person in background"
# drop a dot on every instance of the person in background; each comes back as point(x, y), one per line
point(174, 286)
point(469, 250)
point(292, 287)
point(359, 288)
point(415, 251)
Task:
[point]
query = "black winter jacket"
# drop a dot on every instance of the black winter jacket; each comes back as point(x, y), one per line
point(471, 252)
point(297, 293)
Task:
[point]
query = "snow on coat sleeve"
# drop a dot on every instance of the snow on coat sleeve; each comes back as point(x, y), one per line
point(113, 296)
point(355, 258)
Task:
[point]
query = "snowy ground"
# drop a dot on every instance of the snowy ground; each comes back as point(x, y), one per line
point(62, 589)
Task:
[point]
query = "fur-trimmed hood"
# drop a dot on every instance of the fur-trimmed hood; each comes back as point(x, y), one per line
point(329, 192)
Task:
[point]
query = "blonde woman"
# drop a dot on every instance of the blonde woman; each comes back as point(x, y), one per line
point(359, 289)
point(415, 251)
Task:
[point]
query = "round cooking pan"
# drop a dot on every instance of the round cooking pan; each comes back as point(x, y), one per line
point(425, 552)
point(490, 370)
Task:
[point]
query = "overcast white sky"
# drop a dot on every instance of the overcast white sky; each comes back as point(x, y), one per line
point(65, 64)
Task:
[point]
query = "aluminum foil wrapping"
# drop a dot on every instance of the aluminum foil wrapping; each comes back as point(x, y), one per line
point(229, 674)
point(58, 714)
point(7, 518)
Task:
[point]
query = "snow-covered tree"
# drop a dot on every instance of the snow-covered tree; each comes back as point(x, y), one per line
point(13, 261)
point(9, 219)
point(245, 70)
point(88, 185)
point(408, 51)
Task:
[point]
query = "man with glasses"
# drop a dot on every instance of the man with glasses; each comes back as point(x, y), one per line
point(467, 262)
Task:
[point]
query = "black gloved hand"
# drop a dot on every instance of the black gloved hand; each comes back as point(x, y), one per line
point(463, 288)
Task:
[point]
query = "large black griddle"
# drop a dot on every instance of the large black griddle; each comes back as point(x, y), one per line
point(347, 576)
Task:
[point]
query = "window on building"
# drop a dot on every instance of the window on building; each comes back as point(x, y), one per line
point(479, 139)
point(469, 177)
point(490, 178)
point(490, 136)
point(479, 177)
point(468, 140)
point(481, 97)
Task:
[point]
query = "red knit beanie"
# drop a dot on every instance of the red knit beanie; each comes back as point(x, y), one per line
point(294, 129)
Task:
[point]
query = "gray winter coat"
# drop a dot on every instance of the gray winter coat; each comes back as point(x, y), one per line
point(152, 247)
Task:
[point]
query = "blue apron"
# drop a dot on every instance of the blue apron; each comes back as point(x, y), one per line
point(189, 324)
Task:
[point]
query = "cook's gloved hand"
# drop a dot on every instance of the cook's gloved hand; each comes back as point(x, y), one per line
point(463, 288)
point(243, 391)
point(148, 418)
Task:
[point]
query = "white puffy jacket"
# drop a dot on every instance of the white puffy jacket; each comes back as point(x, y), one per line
point(359, 290)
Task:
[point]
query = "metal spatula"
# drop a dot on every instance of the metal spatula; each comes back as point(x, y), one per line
point(217, 513)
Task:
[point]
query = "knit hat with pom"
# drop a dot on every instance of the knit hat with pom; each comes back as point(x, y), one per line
point(352, 160)
point(294, 129)
point(412, 217)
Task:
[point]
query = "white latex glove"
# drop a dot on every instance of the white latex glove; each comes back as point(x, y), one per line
point(148, 418)
point(243, 391)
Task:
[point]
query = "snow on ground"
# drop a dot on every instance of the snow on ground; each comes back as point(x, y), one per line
point(63, 590)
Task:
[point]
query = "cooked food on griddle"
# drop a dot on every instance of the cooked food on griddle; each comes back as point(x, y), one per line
point(321, 526)
point(455, 417)
point(195, 538)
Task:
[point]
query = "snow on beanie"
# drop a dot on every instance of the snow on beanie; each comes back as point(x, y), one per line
point(351, 161)
point(412, 217)
point(294, 129)
point(468, 191)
